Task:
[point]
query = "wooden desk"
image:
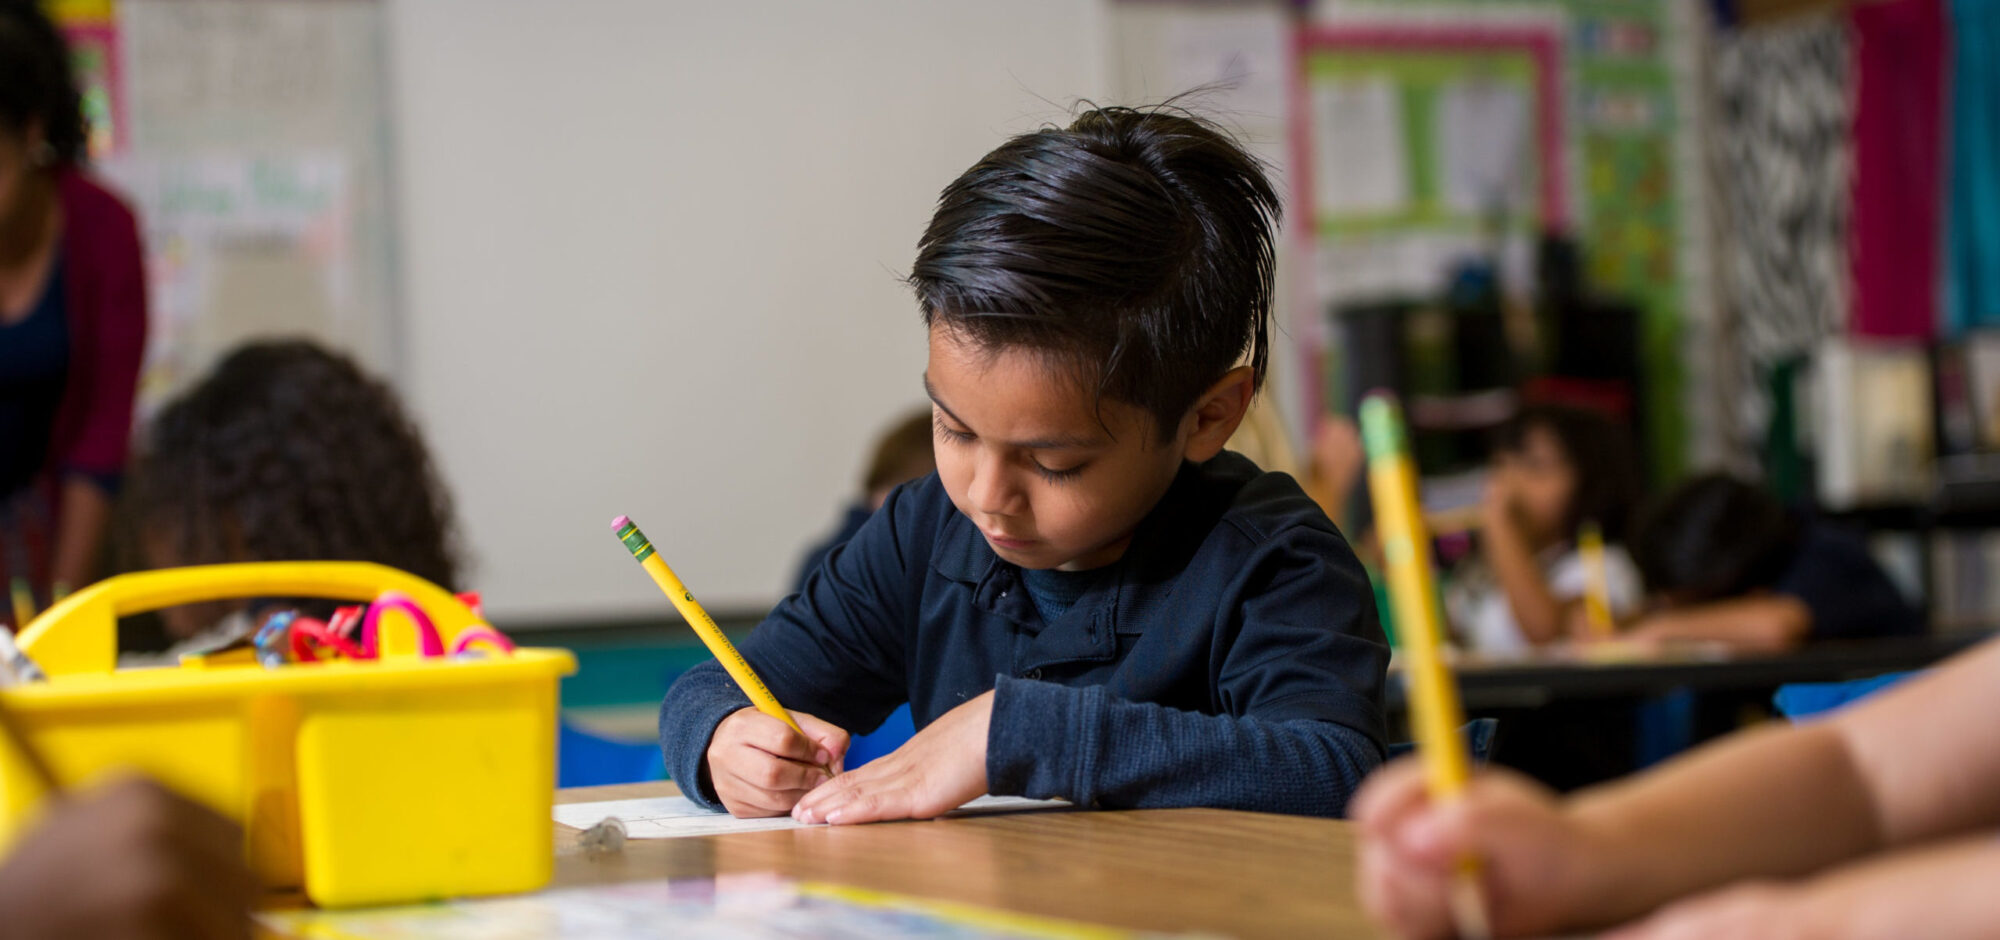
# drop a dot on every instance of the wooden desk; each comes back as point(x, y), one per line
point(1230, 873)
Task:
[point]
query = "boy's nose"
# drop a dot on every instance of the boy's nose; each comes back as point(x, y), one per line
point(992, 492)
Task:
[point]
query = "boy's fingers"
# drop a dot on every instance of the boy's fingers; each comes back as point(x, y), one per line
point(778, 775)
point(813, 808)
point(1440, 833)
point(1409, 901)
point(776, 738)
point(868, 807)
point(830, 738)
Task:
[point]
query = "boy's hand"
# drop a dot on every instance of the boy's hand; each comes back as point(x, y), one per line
point(933, 774)
point(759, 766)
point(129, 860)
point(1532, 855)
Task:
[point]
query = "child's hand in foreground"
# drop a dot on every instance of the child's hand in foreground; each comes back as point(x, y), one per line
point(128, 860)
point(759, 766)
point(940, 768)
point(1533, 856)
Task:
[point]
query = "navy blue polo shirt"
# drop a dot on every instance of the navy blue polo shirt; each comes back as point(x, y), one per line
point(1231, 658)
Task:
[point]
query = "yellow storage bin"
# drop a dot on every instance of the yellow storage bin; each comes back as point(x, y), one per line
point(395, 780)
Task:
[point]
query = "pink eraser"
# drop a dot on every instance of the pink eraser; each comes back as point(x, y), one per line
point(619, 523)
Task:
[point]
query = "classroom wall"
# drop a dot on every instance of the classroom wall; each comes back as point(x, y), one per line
point(650, 263)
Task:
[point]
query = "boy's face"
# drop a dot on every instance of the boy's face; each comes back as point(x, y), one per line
point(1023, 455)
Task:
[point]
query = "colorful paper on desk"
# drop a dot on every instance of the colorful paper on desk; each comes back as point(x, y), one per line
point(672, 817)
point(749, 905)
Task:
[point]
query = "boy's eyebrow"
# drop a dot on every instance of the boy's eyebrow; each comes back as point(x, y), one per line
point(1068, 442)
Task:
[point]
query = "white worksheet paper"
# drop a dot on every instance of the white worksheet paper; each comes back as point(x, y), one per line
point(670, 817)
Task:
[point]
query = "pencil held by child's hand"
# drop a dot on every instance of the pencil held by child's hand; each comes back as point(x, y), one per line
point(1435, 715)
point(760, 767)
point(705, 627)
point(1413, 846)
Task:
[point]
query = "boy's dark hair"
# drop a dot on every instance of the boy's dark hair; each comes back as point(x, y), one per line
point(1133, 247)
point(1714, 537)
point(35, 81)
point(903, 453)
point(288, 452)
point(1599, 451)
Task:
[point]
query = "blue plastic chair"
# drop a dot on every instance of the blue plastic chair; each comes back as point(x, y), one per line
point(1804, 700)
point(584, 759)
point(898, 728)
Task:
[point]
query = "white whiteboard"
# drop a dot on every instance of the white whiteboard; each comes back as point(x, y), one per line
point(651, 257)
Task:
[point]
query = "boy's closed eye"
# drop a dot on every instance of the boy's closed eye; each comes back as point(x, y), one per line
point(947, 434)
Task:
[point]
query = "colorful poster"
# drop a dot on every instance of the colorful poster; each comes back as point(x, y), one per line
point(1623, 132)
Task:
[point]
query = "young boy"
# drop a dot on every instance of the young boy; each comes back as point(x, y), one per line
point(1090, 599)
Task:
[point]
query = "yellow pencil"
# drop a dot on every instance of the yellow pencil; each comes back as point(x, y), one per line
point(1435, 715)
point(704, 626)
point(1596, 580)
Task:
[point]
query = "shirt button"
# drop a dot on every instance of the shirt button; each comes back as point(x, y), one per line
point(1032, 674)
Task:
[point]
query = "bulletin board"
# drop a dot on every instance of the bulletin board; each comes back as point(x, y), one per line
point(1620, 158)
point(1420, 144)
point(252, 140)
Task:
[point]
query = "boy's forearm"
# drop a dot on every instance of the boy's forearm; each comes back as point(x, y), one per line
point(1765, 803)
point(1082, 744)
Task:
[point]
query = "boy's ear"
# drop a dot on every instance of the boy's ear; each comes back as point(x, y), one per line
point(1218, 412)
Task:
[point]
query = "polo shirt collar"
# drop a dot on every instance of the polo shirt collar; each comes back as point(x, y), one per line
point(1125, 601)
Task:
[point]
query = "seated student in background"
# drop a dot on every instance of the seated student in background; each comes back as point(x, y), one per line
point(127, 860)
point(902, 454)
point(1554, 468)
point(287, 452)
point(1726, 563)
point(1881, 821)
point(1092, 599)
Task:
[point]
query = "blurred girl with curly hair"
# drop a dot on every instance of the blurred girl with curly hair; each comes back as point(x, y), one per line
point(289, 452)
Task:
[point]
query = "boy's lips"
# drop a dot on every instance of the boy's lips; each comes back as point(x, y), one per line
point(1007, 541)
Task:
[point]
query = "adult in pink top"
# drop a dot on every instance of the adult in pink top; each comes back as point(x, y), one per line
point(72, 318)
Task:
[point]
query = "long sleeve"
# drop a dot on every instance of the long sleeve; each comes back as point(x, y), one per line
point(1081, 744)
point(108, 280)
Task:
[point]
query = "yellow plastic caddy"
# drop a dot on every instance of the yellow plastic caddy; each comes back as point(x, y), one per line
point(385, 781)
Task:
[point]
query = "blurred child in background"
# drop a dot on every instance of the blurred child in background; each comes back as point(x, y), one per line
point(287, 452)
point(902, 453)
point(1555, 468)
point(1727, 563)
